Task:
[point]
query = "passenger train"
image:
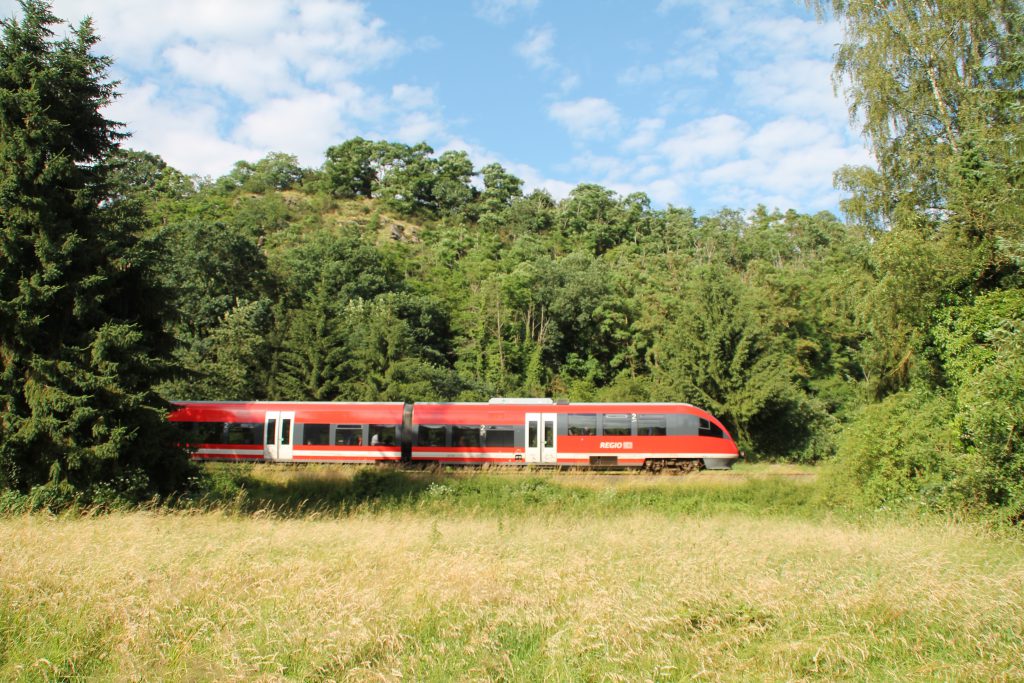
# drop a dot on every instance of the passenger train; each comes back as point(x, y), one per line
point(514, 432)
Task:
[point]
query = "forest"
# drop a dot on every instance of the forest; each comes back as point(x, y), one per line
point(886, 343)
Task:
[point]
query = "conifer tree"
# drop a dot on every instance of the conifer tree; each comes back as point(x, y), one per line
point(80, 322)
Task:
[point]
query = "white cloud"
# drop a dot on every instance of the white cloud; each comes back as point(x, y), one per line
point(412, 96)
point(139, 31)
point(608, 168)
point(700, 65)
point(587, 118)
point(536, 47)
point(305, 125)
point(666, 6)
point(642, 75)
point(417, 127)
point(242, 71)
point(644, 135)
point(705, 140)
point(570, 81)
point(801, 87)
point(667, 190)
point(319, 39)
point(788, 133)
point(796, 36)
point(207, 83)
point(500, 11)
point(240, 78)
point(187, 135)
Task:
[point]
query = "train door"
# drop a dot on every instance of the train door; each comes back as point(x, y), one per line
point(541, 438)
point(278, 430)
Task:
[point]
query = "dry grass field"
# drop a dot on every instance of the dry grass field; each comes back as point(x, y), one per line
point(429, 592)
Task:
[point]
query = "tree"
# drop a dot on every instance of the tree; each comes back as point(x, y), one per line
point(500, 187)
point(276, 171)
point(912, 69)
point(349, 170)
point(501, 190)
point(406, 180)
point(210, 267)
point(726, 351)
point(80, 317)
point(937, 85)
point(592, 211)
point(312, 360)
point(452, 189)
point(982, 346)
point(146, 177)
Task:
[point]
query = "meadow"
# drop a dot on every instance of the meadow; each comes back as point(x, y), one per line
point(344, 574)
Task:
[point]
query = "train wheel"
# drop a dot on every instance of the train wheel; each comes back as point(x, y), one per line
point(673, 466)
point(654, 466)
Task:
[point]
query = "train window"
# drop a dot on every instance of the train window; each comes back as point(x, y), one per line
point(500, 437)
point(650, 425)
point(616, 425)
point(316, 435)
point(286, 431)
point(348, 435)
point(202, 432)
point(271, 431)
point(533, 434)
point(583, 424)
point(383, 435)
point(466, 436)
point(708, 428)
point(245, 433)
point(549, 434)
point(430, 435)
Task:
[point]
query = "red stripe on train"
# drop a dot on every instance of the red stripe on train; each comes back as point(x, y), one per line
point(326, 457)
point(227, 456)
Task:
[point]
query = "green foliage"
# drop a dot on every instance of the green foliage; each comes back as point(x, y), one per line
point(983, 350)
point(903, 453)
point(234, 361)
point(452, 190)
point(349, 169)
point(913, 70)
point(725, 349)
point(311, 364)
point(938, 87)
point(332, 491)
point(146, 178)
point(211, 268)
point(81, 333)
point(276, 171)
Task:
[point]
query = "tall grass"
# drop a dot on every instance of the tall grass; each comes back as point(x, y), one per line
point(342, 574)
point(413, 596)
point(327, 490)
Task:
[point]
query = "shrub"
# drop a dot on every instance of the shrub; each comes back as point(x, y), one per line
point(903, 452)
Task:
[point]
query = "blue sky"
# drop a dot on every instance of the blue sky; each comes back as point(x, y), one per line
point(701, 104)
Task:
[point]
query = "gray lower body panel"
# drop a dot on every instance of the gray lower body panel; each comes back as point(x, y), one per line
point(719, 463)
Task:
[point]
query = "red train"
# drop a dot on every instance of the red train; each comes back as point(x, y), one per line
point(503, 431)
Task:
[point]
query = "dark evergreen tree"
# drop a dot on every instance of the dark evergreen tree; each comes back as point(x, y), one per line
point(80, 320)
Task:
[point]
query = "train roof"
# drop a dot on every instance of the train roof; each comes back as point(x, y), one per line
point(499, 413)
point(306, 412)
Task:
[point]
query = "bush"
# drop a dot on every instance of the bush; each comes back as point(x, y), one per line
point(903, 452)
point(982, 347)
